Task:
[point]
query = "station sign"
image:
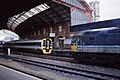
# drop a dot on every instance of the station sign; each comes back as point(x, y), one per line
point(52, 34)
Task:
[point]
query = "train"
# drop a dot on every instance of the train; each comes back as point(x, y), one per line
point(97, 46)
point(11, 42)
point(43, 46)
point(103, 40)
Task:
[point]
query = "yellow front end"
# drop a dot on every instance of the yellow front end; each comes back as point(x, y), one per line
point(47, 46)
point(74, 48)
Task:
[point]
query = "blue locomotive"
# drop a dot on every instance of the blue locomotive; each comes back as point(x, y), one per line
point(103, 40)
point(104, 36)
point(98, 46)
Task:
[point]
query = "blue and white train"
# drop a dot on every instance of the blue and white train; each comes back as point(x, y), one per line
point(43, 46)
point(98, 46)
point(10, 41)
point(104, 40)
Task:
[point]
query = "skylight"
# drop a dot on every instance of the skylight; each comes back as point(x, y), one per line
point(17, 19)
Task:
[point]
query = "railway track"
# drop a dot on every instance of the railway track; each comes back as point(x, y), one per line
point(51, 57)
point(65, 69)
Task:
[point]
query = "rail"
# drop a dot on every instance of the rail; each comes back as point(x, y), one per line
point(65, 69)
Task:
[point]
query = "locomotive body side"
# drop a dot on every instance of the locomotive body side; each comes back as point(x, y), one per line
point(32, 46)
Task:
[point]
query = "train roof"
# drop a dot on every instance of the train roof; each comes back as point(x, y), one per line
point(94, 25)
point(95, 31)
point(26, 41)
point(103, 29)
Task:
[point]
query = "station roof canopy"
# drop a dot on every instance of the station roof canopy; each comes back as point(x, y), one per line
point(9, 8)
point(57, 13)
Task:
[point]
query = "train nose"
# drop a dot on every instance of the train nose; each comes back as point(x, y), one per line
point(47, 46)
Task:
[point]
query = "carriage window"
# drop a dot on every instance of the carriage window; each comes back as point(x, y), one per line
point(44, 43)
point(74, 39)
point(112, 31)
point(40, 44)
point(115, 31)
point(94, 33)
point(87, 33)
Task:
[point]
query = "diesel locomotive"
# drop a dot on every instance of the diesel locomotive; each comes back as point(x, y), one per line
point(98, 46)
point(104, 40)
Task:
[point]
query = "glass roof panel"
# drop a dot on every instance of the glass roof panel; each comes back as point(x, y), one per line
point(20, 18)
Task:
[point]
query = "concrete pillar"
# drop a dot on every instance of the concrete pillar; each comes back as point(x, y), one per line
point(8, 51)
